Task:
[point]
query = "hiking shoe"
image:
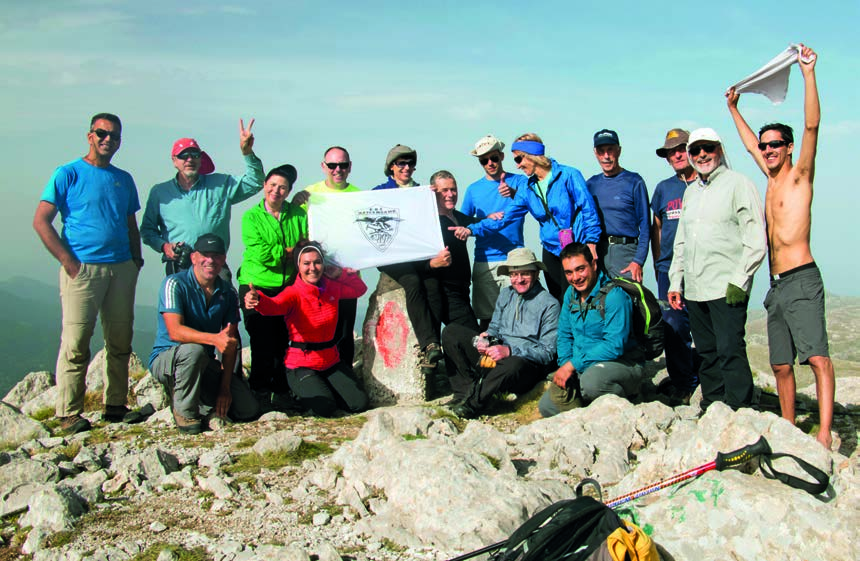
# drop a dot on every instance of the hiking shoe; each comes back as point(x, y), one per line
point(74, 424)
point(429, 356)
point(121, 414)
point(464, 411)
point(186, 425)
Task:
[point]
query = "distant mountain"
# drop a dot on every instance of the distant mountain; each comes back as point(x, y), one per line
point(30, 334)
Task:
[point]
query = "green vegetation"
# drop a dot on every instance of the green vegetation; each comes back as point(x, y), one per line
point(414, 437)
point(43, 414)
point(71, 449)
point(392, 546)
point(151, 553)
point(246, 442)
point(253, 462)
point(495, 462)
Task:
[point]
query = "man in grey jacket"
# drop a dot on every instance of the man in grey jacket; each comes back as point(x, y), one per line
point(517, 350)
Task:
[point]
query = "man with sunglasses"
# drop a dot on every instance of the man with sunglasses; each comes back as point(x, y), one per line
point(621, 199)
point(100, 257)
point(681, 358)
point(795, 302)
point(197, 201)
point(336, 166)
point(719, 245)
point(491, 194)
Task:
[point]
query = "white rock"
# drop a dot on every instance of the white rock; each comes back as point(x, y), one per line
point(28, 388)
point(157, 527)
point(281, 441)
point(215, 485)
point(16, 427)
point(149, 390)
point(54, 509)
point(215, 459)
point(321, 518)
point(325, 551)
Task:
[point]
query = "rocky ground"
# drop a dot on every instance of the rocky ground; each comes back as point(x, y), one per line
point(412, 482)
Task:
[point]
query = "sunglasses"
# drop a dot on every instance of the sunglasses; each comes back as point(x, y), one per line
point(495, 159)
point(773, 144)
point(334, 165)
point(404, 163)
point(707, 148)
point(103, 134)
point(185, 156)
point(518, 159)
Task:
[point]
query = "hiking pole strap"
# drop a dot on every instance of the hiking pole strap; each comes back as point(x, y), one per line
point(589, 481)
point(742, 455)
point(822, 481)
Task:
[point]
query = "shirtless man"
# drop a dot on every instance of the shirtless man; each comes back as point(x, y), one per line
point(795, 301)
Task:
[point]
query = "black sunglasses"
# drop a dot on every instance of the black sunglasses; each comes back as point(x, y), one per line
point(773, 144)
point(518, 159)
point(103, 134)
point(404, 163)
point(333, 165)
point(495, 159)
point(708, 148)
point(189, 156)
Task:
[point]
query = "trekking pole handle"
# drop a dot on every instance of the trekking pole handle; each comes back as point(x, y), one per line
point(727, 460)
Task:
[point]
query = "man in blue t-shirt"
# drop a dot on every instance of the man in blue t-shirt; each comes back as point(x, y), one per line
point(681, 358)
point(491, 194)
point(198, 314)
point(622, 205)
point(100, 257)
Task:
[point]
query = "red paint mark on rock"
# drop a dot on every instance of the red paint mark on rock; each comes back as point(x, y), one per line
point(392, 329)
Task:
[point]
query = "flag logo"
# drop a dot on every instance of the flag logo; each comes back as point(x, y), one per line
point(379, 225)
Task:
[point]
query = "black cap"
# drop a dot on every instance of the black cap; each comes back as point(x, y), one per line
point(604, 137)
point(210, 243)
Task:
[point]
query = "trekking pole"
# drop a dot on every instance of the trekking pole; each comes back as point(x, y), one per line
point(723, 461)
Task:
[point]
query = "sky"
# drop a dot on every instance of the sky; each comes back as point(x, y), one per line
point(436, 76)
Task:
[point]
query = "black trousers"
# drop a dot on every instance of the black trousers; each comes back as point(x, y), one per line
point(476, 385)
point(346, 312)
point(324, 391)
point(556, 282)
point(269, 338)
point(718, 331)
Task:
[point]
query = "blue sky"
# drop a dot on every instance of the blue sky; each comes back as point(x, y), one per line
point(436, 76)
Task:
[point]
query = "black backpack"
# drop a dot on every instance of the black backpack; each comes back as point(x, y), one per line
point(648, 326)
point(573, 530)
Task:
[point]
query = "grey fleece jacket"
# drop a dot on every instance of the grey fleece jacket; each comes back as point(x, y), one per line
point(527, 323)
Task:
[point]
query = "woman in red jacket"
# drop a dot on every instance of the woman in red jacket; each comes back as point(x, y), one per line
point(315, 372)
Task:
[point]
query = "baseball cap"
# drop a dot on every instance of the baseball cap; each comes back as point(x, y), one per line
point(210, 243)
point(705, 133)
point(207, 166)
point(604, 137)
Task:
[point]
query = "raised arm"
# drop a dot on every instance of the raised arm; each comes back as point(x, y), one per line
point(812, 114)
point(747, 135)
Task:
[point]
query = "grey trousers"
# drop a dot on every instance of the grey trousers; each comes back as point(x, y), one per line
point(196, 378)
point(615, 257)
point(621, 378)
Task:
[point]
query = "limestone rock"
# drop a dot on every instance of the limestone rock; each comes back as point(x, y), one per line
point(45, 400)
point(14, 500)
point(24, 470)
point(281, 441)
point(96, 370)
point(389, 349)
point(149, 390)
point(54, 509)
point(15, 427)
point(31, 386)
point(215, 459)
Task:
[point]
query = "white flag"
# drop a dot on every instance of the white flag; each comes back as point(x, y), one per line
point(771, 80)
point(373, 228)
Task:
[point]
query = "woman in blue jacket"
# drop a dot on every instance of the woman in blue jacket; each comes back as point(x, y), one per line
point(557, 197)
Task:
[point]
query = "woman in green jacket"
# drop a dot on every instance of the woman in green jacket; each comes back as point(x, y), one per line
point(269, 232)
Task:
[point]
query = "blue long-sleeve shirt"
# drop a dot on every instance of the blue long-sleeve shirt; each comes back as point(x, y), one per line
point(566, 204)
point(175, 215)
point(585, 336)
point(622, 204)
point(482, 198)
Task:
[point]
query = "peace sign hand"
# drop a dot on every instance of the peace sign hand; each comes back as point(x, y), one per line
point(246, 137)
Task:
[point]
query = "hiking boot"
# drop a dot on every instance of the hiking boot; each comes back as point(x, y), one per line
point(464, 411)
point(429, 356)
point(121, 414)
point(186, 425)
point(74, 424)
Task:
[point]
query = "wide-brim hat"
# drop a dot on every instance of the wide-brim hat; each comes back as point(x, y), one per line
point(521, 258)
point(398, 151)
point(207, 166)
point(674, 138)
point(486, 145)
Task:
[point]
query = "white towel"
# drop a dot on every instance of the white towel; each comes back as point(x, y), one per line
point(771, 80)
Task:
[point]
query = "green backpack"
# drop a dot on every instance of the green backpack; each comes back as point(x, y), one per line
point(647, 325)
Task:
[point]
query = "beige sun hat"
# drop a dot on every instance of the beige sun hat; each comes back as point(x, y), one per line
point(521, 259)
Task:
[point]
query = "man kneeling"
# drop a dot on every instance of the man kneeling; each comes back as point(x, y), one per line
point(198, 312)
point(517, 350)
point(596, 351)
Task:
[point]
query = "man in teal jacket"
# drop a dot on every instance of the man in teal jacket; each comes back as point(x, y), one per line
point(595, 349)
point(197, 201)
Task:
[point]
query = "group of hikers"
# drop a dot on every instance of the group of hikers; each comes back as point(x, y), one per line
point(503, 331)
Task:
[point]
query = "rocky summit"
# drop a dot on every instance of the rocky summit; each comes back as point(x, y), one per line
point(409, 482)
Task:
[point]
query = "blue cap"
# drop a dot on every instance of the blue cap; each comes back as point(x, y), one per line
point(604, 137)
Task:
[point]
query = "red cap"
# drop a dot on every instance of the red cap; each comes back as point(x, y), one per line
point(207, 166)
